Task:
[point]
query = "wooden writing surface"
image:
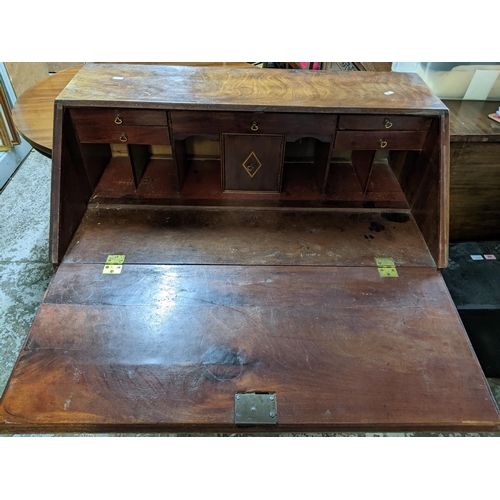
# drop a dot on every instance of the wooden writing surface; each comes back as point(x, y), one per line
point(167, 347)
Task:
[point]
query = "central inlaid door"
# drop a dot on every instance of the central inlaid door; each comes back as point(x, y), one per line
point(252, 162)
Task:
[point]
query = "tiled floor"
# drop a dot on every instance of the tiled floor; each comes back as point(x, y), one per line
point(25, 270)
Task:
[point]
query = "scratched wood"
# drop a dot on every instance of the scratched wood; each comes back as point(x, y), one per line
point(165, 347)
point(235, 89)
point(277, 95)
point(159, 235)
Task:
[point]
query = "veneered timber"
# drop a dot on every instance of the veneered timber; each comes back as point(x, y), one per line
point(167, 347)
point(247, 273)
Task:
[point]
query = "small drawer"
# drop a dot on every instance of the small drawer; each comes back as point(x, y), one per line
point(379, 140)
point(119, 117)
point(384, 122)
point(124, 135)
point(218, 122)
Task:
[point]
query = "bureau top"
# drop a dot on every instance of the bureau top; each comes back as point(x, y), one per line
point(253, 89)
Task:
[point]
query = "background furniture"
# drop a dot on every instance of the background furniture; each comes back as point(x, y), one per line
point(475, 171)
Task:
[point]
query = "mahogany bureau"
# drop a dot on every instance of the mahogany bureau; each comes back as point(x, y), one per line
point(248, 292)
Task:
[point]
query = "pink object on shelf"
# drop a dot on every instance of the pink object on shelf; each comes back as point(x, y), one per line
point(305, 65)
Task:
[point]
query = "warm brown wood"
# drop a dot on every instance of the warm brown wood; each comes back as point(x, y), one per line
point(475, 191)
point(167, 347)
point(469, 121)
point(33, 112)
point(230, 286)
point(475, 176)
point(245, 90)
point(162, 235)
point(471, 194)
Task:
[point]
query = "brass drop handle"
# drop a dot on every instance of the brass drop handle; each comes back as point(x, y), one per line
point(254, 127)
point(123, 138)
point(387, 123)
point(250, 167)
point(383, 143)
point(118, 120)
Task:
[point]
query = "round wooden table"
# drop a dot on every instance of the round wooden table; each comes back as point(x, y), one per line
point(33, 112)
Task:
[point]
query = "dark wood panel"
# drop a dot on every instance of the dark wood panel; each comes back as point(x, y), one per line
point(70, 188)
point(124, 134)
point(425, 179)
point(252, 163)
point(109, 118)
point(200, 122)
point(362, 162)
point(475, 191)
point(202, 186)
point(379, 140)
point(139, 158)
point(251, 237)
point(383, 122)
point(168, 347)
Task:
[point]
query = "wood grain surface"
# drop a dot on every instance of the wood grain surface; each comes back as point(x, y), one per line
point(202, 186)
point(247, 237)
point(469, 121)
point(247, 89)
point(475, 191)
point(475, 171)
point(167, 347)
point(33, 112)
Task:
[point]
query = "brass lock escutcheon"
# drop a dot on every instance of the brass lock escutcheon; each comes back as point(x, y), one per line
point(118, 120)
point(123, 138)
point(254, 127)
point(383, 143)
point(387, 123)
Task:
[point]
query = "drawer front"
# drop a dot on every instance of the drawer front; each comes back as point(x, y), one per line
point(218, 122)
point(110, 117)
point(252, 163)
point(384, 122)
point(379, 140)
point(124, 135)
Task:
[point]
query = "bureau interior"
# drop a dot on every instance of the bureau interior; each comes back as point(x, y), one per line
point(376, 192)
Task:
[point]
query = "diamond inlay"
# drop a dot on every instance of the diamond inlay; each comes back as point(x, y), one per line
point(252, 164)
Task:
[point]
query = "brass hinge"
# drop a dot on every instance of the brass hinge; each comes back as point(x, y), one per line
point(386, 267)
point(113, 264)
